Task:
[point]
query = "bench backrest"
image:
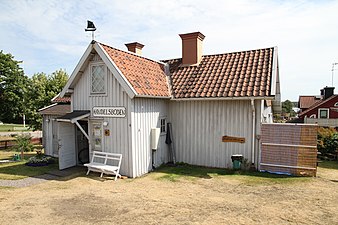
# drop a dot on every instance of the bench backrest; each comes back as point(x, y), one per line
point(107, 158)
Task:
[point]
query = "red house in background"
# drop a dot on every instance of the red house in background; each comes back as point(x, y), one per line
point(323, 111)
point(306, 102)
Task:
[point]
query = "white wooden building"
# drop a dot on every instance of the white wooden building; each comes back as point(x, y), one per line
point(117, 97)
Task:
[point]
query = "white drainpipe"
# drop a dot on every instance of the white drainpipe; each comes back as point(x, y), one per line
point(253, 131)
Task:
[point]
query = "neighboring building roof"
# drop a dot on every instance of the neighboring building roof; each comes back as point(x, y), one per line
point(61, 100)
point(146, 76)
point(55, 109)
point(316, 105)
point(306, 102)
point(237, 74)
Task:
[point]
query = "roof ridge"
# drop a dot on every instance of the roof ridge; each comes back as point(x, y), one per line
point(131, 53)
point(224, 53)
point(239, 51)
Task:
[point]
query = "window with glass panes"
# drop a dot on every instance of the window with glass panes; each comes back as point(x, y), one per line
point(162, 128)
point(323, 113)
point(98, 79)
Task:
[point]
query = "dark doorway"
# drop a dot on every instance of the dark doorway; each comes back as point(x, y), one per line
point(82, 144)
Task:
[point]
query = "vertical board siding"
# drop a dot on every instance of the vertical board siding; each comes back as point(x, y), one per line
point(118, 141)
point(47, 134)
point(48, 139)
point(146, 114)
point(198, 127)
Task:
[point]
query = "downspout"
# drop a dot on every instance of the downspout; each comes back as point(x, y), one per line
point(253, 131)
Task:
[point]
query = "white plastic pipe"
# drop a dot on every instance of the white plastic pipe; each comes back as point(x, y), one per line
point(253, 131)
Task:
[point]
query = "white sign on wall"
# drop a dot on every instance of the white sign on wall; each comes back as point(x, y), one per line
point(116, 112)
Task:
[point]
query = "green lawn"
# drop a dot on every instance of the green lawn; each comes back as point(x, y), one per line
point(18, 170)
point(12, 127)
point(329, 164)
point(185, 171)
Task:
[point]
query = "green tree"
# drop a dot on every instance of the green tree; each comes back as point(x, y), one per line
point(37, 98)
point(327, 141)
point(287, 106)
point(13, 89)
point(43, 89)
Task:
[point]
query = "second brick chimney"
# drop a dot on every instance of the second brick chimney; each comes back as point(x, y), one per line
point(192, 48)
point(135, 47)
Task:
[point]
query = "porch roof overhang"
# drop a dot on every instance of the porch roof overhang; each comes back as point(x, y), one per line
point(74, 116)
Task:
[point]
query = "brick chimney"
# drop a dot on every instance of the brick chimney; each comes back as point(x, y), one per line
point(192, 48)
point(135, 47)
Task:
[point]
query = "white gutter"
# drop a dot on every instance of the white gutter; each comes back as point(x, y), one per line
point(223, 98)
point(46, 107)
point(253, 131)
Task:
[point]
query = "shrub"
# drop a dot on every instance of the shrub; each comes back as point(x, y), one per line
point(327, 142)
point(40, 160)
point(24, 143)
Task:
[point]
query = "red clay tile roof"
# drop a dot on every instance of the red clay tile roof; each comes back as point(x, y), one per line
point(146, 76)
point(61, 100)
point(60, 109)
point(306, 102)
point(238, 74)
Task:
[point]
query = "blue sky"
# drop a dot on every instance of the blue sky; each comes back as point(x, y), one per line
point(49, 35)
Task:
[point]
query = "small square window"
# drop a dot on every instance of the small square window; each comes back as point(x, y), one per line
point(163, 127)
point(323, 113)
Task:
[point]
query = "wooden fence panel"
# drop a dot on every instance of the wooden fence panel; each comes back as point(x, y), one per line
point(289, 149)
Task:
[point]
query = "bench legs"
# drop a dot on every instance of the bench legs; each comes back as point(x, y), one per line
point(114, 173)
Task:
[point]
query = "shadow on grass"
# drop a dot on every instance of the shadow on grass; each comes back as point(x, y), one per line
point(173, 172)
point(18, 170)
point(329, 165)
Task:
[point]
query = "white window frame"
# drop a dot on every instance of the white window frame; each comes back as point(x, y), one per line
point(163, 126)
point(323, 109)
point(335, 104)
point(104, 77)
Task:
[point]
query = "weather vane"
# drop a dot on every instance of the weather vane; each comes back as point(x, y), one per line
point(91, 27)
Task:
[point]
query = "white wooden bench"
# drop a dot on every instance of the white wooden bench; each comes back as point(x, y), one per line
point(104, 162)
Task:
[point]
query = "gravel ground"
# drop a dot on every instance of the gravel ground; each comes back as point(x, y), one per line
point(153, 199)
point(27, 181)
point(53, 175)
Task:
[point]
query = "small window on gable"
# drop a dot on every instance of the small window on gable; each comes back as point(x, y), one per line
point(323, 113)
point(313, 116)
point(336, 104)
point(98, 79)
point(163, 127)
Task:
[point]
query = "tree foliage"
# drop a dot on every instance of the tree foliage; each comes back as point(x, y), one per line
point(13, 89)
point(287, 106)
point(21, 95)
point(327, 142)
point(43, 89)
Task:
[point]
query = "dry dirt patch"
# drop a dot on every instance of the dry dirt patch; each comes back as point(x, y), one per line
point(152, 200)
